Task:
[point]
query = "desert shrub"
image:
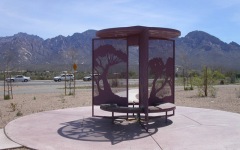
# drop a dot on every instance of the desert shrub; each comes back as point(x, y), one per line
point(7, 97)
point(1, 115)
point(188, 79)
point(19, 113)
point(132, 75)
point(115, 83)
point(62, 99)
point(13, 106)
point(231, 77)
point(212, 91)
point(206, 81)
point(237, 92)
point(188, 88)
point(197, 81)
point(70, 93)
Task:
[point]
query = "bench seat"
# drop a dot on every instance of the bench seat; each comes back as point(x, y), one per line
point(120, 109)
point(160, 107)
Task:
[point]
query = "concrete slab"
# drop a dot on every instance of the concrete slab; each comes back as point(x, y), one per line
point(6, 143)
point(75, 128)
point(206, 129)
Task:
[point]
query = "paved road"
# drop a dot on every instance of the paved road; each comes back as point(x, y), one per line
point(51, 82)
point(47, 86)
point(40, 86)
point(47, 82)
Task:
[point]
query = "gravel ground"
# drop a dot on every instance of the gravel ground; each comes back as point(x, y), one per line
point(226, 99)
point(25, 104)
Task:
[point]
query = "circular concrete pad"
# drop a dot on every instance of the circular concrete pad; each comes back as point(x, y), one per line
point(75, 128)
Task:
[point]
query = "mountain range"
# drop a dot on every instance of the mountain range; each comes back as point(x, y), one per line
point(198, 49)
point(30, 52)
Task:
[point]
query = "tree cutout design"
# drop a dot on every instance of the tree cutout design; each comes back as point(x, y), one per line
point(105, 58)
point(163, 77)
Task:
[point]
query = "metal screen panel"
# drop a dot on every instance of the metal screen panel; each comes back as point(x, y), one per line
point(110, 61)
point(161, 71)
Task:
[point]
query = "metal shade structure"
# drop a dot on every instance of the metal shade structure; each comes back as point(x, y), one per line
point(110, 63)
point(153, 32)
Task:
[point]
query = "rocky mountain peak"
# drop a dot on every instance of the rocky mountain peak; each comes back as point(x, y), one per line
point(89, 32)
point(201, 38)
point(23, 35)
point(234, 44)
point(32, 52)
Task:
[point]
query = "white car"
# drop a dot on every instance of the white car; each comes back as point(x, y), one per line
point(89, 77)
point(64, 77)
point(18, 78)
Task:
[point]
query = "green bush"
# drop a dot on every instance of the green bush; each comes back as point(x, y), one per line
point(237, 92)
point(7, 97)
point(114, 83)
point(13, 106)
point(206, 81)
point(188, 88)
point(19, 113)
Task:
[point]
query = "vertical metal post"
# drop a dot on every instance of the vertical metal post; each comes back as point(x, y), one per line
point(173, 88)
point(4, 78)
point(206, 81)
point(93, 77)
point(166, 117)
point(11, 87)
point(74, 82)
point(65, 84)
point(143, 72)
point(127, 69)
point(10, 84)
point(184, 80)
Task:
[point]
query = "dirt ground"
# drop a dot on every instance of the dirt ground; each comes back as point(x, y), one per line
point(226, 99)
point(25, 104)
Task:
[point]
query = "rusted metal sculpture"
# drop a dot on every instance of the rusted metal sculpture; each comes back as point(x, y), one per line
point(156, 65)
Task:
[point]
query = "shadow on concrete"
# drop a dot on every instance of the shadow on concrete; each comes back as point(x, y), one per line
point(102, 130)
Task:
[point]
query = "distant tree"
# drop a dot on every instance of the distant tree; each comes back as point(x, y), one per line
point(132, 74)
point(186, 64)
point(9, 58)
point(205, 82)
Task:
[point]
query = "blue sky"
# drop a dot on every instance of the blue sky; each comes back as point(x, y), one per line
point(50, 18)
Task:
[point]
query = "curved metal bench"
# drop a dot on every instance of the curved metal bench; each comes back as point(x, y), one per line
point(163, 107)
point(120, 109)
point(160, 107)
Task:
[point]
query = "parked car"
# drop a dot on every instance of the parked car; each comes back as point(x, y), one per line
point(18, 78)
point(62, 77)
point(89, 77)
